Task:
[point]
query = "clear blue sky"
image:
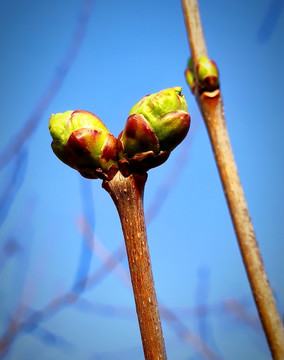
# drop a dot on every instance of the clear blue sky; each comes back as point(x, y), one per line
point(130, 49)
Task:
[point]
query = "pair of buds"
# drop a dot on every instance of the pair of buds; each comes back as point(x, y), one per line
point(207, 75)
point(155, 126)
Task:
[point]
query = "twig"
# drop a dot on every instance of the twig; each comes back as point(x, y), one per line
point(194, 29)
point(14, 183)
point(167, 314)
point(20, 138)
point(211, 107)
point(127, 194)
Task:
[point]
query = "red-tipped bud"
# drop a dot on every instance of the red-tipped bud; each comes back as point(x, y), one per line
point(207, 74)
point(156, 125)
point(81, 140)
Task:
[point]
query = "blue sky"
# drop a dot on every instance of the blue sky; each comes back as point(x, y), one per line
point(126, 50)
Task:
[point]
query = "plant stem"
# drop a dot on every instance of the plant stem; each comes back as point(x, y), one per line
point(211, 106)
point(194, 29)
point(127, 194)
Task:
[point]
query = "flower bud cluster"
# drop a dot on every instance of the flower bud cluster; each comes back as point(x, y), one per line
point(155, 126)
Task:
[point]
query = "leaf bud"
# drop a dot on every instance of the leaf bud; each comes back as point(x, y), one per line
point(189, 75)
point(207, 74)
point(155, 126)
point(82, 141)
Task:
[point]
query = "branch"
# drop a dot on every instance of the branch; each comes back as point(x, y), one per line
point(172, 319)
point(211, 106)
point(127, 194)
point(20, 138)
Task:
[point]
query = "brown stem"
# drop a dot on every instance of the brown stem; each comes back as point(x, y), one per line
point(194, 29)
point(127, 194)
point(211, 106)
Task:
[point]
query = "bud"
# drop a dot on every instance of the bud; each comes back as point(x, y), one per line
point(189, 75)
point(207, 74)
point(155, 126)
point(81, 140)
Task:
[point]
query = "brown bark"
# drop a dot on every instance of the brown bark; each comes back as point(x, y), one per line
point(127, 194)
point(211, 106)
point(212, 110)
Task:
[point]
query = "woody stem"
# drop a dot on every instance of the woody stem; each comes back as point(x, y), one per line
point(211, 106)
point(127, 194)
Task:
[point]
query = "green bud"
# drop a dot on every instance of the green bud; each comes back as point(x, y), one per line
point(155, 126)
point(190, 64)
point(189, 75)
point(190, 79)
point(207, 74)
point(138, 136)
point(81, 140)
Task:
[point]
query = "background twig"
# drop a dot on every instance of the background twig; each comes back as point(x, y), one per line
point(211, 107)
